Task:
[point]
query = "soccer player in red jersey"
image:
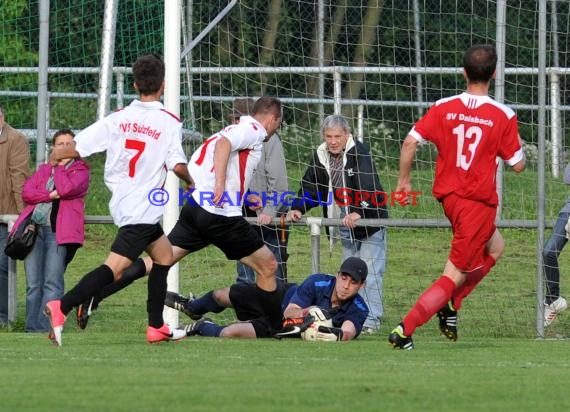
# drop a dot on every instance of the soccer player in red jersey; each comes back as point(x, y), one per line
point(469, 130)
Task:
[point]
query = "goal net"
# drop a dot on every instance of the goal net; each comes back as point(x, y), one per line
point(380, 63)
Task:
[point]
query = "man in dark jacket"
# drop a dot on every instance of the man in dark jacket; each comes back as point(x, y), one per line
point(343, 180)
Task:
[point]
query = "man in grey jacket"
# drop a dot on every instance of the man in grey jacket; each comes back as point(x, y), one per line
point(14, 168)
point(269, 181)
point(553, 302)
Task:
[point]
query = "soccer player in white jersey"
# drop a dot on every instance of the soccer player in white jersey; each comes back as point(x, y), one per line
point(142, 142)
point(222, 168)
point(470, 131)
point(223, 165)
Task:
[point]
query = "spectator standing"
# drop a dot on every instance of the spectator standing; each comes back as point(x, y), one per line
point(54, 196)
point(14, 168)
point(553, 302)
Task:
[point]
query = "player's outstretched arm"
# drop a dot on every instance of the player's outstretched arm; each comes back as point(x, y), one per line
point(520, 165)
point(407, 154)
point(181, 170)
point(348, 329)
point(293, 311)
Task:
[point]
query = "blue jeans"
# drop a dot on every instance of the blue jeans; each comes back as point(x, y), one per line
point(270, 236)
point(550, 253)
point(3, 276)
point(373, 251)
point(44, 267)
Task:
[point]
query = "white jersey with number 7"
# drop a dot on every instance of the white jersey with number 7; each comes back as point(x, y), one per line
point(142, 141)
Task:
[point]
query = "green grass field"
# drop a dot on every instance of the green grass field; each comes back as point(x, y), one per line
point(118, 371)
point(497, 364)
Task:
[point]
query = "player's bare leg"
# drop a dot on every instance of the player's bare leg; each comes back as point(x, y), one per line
point(265, 265)
point(238, 330)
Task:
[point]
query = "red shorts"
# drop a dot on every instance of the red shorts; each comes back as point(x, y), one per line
point(473, 224)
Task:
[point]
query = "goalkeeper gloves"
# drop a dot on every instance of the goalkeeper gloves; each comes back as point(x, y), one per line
point(318, 313)
point(328, 334)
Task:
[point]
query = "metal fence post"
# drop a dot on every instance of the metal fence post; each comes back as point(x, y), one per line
point(12, 291)
point(315, 224)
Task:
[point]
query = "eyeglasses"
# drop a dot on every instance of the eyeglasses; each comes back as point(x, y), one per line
point(61, 144)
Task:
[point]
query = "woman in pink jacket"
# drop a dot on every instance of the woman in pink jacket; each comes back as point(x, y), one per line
point(54, 194)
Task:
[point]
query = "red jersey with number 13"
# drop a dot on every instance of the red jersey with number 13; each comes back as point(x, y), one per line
point(469, 132)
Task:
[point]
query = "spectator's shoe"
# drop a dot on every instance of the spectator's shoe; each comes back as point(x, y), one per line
point(194, 328)
point(367, 330)
point(164, 333)
point(84, 311)
point(180, 303)
point(400, 341)
point(552, 310)
point(56, 320)
point(448, 321)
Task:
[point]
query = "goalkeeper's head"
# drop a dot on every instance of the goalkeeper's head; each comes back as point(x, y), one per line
point(356, 268)
point(350, 278)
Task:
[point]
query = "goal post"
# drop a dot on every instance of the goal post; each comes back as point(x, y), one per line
point(172, 37)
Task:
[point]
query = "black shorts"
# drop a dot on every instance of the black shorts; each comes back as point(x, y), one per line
point(196, 228)
point(245, 299)
point(132, 240)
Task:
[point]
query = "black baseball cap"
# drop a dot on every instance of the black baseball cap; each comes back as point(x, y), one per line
point(355, 267)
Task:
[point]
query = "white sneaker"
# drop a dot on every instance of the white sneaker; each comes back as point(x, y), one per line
point(556, 307)
point(367, 330)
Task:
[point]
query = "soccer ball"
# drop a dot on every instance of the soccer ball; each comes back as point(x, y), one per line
point(310, 334)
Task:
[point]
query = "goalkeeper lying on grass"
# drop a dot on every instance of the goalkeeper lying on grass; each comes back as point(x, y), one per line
point(323, 307)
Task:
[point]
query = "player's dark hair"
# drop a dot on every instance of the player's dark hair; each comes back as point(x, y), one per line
point(267, 105)
point(148, 72)
point(61, 132)
point(479, 62)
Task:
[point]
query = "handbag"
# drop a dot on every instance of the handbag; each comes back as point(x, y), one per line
point(20, 241)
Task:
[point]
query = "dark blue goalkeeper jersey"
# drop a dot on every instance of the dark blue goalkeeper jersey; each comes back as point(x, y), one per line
point(317, 290)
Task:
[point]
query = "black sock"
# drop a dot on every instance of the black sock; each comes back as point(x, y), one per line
point(271, 304)
point(90, 285)
point(136, 271)
point(156, 294)
point(205, 304)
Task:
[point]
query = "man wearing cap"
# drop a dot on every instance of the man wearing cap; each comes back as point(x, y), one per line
point(269, 178)
point(337, 296)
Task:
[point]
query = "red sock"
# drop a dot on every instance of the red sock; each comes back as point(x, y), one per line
point(437, 295)
point(472, 281)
